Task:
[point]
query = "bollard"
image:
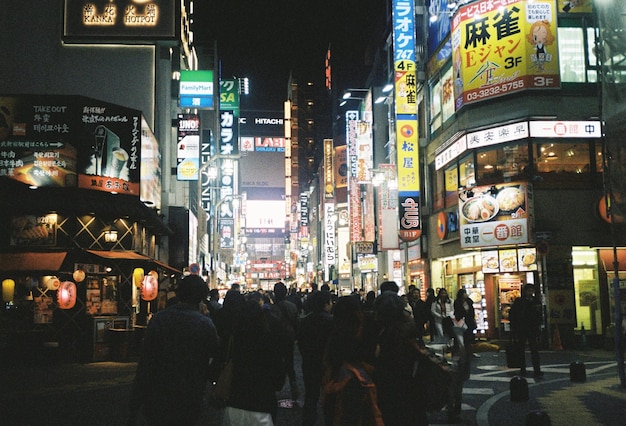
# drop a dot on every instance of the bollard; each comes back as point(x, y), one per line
point(519, 389)
point(537, 418)
point(577, 371)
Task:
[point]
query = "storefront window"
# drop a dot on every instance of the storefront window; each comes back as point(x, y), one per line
point(587, 290)
point(563, 157)
point(505, 163)
point(438, 188)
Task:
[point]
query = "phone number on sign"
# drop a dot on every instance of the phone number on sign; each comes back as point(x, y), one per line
point(499, 89)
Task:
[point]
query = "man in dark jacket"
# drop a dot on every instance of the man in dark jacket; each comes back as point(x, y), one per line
point(286, 328)
point(421, 313)
point(313, 335)
point(525, 317)
point(173, 370)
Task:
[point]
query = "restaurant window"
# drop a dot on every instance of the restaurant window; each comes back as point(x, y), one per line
point(564, 157)
point(467, 176)
point(504, 164)
point(598, 157)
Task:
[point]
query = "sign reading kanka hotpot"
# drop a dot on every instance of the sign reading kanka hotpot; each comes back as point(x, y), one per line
point(503, 46)
point(496, 215)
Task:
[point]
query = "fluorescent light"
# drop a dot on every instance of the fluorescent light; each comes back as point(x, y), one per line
point(387, 88)
point(380, 99)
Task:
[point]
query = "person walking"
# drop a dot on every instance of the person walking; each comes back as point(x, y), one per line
point(287, 327)
point(349, 395)
point(313, 333)
point(442, 313)
point(257, 373)
point(525, 316)
point(396, 356)
point(430, 299)
point(464, 326)
point(421, 313)
point(173, 370)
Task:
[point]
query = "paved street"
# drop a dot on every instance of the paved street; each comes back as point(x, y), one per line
point(96, 393)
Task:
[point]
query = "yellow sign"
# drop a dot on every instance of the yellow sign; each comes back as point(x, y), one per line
point(502, 47)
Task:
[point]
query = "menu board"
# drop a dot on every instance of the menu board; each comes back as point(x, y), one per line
point(509, 260)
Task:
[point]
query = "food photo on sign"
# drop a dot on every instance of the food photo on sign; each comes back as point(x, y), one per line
point(494, 215)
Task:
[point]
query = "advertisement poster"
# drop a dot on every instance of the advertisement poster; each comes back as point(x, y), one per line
point(496, 215)
point(501, 47)
point(68, 141)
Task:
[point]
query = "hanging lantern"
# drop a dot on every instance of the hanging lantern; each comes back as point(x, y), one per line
point(138, 275)
point(79, 275)
point(8, 290)
point(155, 274)
point(149, 287)
point(66, 295)
point(52, 282)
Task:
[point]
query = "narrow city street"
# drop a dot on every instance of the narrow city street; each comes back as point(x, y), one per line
point(97, 393)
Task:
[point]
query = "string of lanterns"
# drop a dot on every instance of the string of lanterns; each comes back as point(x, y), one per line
point(147, 284)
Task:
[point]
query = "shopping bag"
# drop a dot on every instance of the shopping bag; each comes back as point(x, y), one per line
point(514, 355)
point(220, 393)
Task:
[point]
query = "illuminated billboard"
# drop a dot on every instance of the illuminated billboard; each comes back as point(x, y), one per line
point(196, 89)
point(68, 141)
point(128, 20)
point(502, 47)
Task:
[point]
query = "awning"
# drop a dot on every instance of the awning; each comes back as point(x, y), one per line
point(607, 257)
point(130, 255)
point(32, 261)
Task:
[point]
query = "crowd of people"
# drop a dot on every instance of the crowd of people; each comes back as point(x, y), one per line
point(361, 354)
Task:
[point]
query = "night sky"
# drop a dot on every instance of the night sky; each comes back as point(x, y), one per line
point(265, 39)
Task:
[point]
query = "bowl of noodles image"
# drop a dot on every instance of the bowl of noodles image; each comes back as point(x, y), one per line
point(480, 209)
point(510, 198)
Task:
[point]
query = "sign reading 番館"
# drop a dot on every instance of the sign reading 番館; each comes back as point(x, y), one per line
point(503, 46)
point(496, 215)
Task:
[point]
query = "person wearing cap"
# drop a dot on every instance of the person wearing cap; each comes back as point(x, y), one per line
point(173, 370)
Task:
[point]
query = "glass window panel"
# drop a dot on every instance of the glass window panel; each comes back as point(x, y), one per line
point(447, 95)
point(598, 157)
point(571, 55)
point(592, 75)
point(435, 106)
point(452, 184)
point(565, 157)
point(505, 163)
point(467, 176)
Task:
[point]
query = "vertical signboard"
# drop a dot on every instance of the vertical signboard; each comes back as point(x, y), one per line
point(354, 192)
point(406, 119)
point(502, 47)
point(330, 239)
point(188, 147)
point(229, 117)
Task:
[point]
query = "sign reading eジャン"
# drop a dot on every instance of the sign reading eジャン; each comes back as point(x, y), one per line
point(503, 46)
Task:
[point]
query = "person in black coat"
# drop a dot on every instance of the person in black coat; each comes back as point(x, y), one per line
point(173, 370)
point(526, 316)
point(313, 334)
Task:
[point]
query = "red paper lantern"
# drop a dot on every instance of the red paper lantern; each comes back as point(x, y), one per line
point(149, 287)
point(66, 295)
